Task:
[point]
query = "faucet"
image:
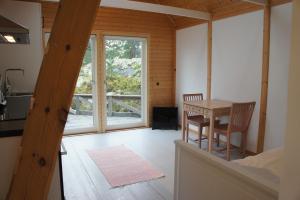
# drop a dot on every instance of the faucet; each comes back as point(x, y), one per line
point(6, 84)
point(2, 102)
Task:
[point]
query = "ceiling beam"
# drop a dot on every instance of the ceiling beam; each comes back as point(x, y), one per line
point(156, 8)
point(171, 19)
point(257, 2)
point(152, 7)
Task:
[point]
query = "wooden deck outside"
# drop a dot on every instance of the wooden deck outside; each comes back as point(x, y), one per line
point(86, 121)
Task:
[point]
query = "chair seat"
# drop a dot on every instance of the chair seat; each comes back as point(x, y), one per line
point(221, 128)
point(198, 120)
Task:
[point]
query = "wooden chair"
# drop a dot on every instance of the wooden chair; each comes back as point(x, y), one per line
point(195, 119)
point(239, 121)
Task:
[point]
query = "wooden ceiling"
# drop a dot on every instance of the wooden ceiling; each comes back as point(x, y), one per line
point(200, 5)
point(218, 8)
point(212, 6)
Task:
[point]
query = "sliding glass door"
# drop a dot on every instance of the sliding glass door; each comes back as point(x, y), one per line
point(83, 112)
point(122, 86)
point(125, 78)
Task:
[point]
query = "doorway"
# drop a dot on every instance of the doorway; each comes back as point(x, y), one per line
point(125, 60)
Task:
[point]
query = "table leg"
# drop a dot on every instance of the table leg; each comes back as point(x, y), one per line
point(211, 131)
point(183, 123)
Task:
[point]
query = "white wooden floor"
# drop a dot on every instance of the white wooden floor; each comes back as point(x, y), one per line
point(84, 181)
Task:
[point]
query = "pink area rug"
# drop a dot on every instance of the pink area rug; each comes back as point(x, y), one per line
point(121, 166)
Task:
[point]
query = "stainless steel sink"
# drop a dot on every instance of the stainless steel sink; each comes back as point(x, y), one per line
point(17, 106)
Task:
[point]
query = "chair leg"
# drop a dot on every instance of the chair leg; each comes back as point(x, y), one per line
point(228, 147)
point(200, 136)
point(242, 143)
point(244, 136)
point(218, 140)
point(187, 132)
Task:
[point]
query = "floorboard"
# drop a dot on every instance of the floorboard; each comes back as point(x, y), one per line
point(83, 179)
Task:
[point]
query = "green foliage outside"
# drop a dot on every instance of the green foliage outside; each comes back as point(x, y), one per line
point(123, 66)
point(123, 61)
point(84, 82)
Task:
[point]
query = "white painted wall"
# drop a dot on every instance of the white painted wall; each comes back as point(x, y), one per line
point(278, 75)
point(29, 56)
point(191, 53)
point(290, 181)
point(236, 68)
point(237, 61)
point(201, 175)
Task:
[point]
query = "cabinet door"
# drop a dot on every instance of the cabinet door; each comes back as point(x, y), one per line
point(9, 150)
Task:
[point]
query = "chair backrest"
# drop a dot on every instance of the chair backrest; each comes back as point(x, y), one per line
point(193, 97)
point(240, 117)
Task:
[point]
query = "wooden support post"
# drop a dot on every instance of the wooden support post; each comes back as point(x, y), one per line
point(174, 67)
point(265, 78)
point(209, 59)
point(101, 80)
point(53, 95)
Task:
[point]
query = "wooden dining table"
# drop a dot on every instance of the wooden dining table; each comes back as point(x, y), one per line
point(210, 109)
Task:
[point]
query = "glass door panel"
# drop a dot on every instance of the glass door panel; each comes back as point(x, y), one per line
point(83, 112)
point(125, 81)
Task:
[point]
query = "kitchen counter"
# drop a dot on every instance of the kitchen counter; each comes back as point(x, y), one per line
point(11, 128)
point(11, 131)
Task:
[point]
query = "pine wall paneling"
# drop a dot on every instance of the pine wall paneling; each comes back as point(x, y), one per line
point(161, 32)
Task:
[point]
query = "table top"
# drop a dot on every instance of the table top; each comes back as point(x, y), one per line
point(210, 104)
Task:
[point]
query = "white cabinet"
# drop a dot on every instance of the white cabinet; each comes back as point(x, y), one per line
point(9, 148)
point(8, 155)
